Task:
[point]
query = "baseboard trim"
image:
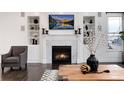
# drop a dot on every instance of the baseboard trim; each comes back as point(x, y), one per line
point(103, 63)
point(36, 61)
point(110, 63)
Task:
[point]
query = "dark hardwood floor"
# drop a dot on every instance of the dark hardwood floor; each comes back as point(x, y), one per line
point(33, 73)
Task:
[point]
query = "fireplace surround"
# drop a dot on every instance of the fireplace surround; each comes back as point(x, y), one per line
point(48, 41)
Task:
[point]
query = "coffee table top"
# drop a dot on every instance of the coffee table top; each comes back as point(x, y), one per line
point(73, 73)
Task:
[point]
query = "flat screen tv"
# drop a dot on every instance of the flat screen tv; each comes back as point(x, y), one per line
point(61, 22)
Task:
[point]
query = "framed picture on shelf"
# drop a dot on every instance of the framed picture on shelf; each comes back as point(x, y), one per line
point(61, 22)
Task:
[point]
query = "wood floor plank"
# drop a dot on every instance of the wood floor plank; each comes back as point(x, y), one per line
point(33, 73)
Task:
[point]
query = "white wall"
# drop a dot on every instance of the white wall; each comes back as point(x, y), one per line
point(10, 34)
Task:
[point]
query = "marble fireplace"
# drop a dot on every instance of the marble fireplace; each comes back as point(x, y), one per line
point(56, 48)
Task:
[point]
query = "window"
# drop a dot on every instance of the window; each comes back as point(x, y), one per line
point(114, 27)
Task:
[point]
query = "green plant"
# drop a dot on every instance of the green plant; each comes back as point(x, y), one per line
point(122, 35)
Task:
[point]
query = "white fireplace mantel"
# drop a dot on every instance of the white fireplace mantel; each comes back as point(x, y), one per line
point(47, 41)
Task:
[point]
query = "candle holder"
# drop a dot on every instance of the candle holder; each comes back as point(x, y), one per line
point(79, 30)
point(47, 31)
point(76, 31)
point(43, 30)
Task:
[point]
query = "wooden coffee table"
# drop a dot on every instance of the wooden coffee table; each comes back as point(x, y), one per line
point(73, 73)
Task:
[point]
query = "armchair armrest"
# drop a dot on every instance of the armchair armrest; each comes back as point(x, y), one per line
point(23, 57)
point(4, 56)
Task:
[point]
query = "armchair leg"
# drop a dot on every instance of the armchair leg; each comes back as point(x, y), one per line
point(2, 70)
point(20, 68)
point(11, 68)
point(26, 66)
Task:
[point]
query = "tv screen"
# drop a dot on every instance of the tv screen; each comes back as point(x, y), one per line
point(61, 22)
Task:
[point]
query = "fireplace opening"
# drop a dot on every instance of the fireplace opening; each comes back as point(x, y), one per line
point(61, 55)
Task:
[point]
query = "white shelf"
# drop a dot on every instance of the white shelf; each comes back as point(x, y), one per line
point(88, 28)
point(33, 29)
point(33, 24)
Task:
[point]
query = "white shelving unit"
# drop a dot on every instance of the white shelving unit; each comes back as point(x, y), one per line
point(33, 28)
point(88, 28)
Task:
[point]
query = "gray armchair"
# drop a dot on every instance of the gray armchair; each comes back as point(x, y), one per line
point(16, 57)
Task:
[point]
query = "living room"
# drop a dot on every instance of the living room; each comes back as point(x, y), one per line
point(65, 46)
point(47, 44)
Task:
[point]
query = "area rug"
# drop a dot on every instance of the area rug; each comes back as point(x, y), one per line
point(50, 75)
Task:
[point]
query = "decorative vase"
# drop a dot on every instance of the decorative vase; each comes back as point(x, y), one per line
point(35, 21)
point(86, 27)
point(91, 21)
point(93, 63)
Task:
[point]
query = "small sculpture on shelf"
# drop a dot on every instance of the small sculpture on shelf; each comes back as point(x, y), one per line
point(91, 21)
point(47, 31)
point(75, 31)
point(35, 39)
point(86, 27)
point(78, 31)
point(44, 31)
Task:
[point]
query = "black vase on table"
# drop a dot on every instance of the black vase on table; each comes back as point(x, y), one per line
point(93, 63)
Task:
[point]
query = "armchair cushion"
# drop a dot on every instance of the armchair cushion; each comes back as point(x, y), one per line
point(17, 50)
point(11, 60)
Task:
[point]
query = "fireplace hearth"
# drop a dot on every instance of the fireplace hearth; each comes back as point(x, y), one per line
point(61, 55)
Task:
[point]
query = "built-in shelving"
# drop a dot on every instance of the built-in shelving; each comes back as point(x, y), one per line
point(88, 28)
point(33, 28)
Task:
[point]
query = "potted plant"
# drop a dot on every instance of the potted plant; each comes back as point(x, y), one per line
point(122, 37)
point(94, 40)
